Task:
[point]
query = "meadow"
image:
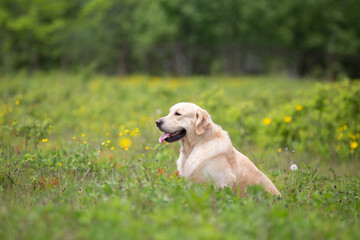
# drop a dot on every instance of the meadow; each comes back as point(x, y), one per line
point(80, 158)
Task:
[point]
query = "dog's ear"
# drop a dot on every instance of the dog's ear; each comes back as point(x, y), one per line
point(203, 121)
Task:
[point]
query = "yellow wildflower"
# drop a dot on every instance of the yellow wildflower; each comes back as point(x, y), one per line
point(299, 107)
point(154, 148)
point(287, 119)
point(126, 149)
point(83, 135)
point(106, 145)
point(155, 79)
point(108, 141)
point(60, 164)
point(17, 102)
point(74, 138)
point(147, 148)
point(338, 147)
point(345, 127)
point(352, 136)
point(267, 121)
point(112, 148)
point(354, 145)
point(120, 133)
point(127, 131)
point(107, 133)
point(279, 150)
point(85, 142)
point(44, 140)
point(340, 136)
point(125, 142)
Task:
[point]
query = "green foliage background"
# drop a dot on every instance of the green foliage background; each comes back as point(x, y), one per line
point(300, 37)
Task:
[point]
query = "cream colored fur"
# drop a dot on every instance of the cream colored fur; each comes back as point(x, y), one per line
point(207, 154)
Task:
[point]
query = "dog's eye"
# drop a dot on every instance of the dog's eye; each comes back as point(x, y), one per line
point(177, 114)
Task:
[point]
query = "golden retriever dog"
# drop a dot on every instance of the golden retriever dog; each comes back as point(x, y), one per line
point(206, 153)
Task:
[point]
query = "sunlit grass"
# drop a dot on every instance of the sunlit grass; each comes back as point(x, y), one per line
point(80, 159)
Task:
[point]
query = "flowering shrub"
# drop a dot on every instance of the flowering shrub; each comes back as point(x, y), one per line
point(322, 121)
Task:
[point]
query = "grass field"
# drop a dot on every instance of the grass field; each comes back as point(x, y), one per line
point(80, 158)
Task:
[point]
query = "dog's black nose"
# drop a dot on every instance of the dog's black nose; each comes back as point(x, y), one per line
point(159, 122)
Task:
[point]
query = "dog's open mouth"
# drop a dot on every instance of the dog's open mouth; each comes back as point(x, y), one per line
point(172, 137)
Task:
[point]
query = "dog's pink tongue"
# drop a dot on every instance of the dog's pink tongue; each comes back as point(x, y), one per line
point(162, 138)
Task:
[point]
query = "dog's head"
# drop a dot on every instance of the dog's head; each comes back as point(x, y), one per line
point(185, 120)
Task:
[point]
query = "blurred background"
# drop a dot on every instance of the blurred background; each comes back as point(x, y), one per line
point(299, 38)
point(114, 65)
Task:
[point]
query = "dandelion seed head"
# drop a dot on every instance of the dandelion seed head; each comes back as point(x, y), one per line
point(293, 167)
point(158, 111)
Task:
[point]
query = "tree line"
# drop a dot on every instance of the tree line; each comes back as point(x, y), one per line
point(182, 37)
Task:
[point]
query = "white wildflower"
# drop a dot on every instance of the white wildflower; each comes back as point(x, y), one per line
point(293, 167)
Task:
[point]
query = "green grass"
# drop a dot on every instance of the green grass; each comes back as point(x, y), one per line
point(122, 184)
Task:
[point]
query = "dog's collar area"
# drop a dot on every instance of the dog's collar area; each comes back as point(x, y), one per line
point(172, 137)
